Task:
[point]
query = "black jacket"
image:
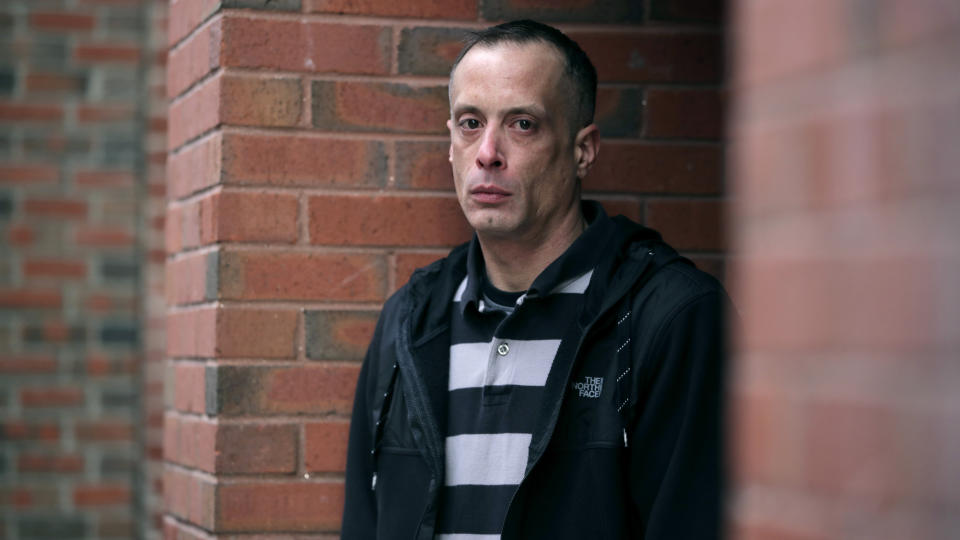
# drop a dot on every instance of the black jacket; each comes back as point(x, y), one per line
point(642, 461)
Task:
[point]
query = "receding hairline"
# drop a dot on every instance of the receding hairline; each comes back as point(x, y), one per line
point(561, 64)
point(557, 55)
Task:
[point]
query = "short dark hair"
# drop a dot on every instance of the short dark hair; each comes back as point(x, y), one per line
point(578, 67)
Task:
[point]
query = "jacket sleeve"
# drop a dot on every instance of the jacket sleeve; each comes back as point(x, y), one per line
point(360, 507)
point(676, 468)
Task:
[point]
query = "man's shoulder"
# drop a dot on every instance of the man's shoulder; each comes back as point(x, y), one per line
point(669, 277)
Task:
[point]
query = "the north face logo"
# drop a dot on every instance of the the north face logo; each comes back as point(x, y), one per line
point(590, 387)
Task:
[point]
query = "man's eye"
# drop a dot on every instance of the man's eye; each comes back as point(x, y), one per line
point(524, 124)
point(470, 123)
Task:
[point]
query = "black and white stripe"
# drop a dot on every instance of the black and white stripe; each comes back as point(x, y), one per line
point(499, 363)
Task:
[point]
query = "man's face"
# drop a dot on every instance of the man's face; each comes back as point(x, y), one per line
point(511, 145)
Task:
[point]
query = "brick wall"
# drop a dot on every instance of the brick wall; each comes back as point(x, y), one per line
point(82, 158)
point(308, 178)
point(846, 122)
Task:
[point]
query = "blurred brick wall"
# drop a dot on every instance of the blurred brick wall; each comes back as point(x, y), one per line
point(845, 126)
point(308, 177)
point(82, 158)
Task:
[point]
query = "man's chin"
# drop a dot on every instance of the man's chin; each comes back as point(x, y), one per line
point(491, 224)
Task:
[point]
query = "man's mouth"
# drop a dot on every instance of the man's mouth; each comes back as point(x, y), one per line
point(489, 194)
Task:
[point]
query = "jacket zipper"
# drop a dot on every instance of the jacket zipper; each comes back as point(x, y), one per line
point(556, 411)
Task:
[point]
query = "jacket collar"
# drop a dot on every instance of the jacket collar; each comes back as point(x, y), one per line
point(582, 256)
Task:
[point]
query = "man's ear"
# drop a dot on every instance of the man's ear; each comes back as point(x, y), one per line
point(586, 147)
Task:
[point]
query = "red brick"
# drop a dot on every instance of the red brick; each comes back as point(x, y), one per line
point(101, 495)
point(157, 124)
point(186, 278)
point(307, 46)
point(29, 431)
point(195, 113)
point(654, 56)
point(190, 441)
point(270, 275)
point(104, 113)
point(55, 83)
point(195, 58)
point(36, 267)
point(102, 431)
point(232, 332)
point(185, 15)
point(61, 21)
point(423, 165)
point(51, 463)
point(51, 397)
point(419, 9)
point(320, 388)
point(24, 364)
point(116, 527)
point(338, 335)
point(189, 496)
point(253, 217)
point(386, 220)
point(29, 496)
point(101, 365)
point(880, 311)
point(30, 298)
point(30, 112)
point(279, 506)
point(197, 166)
point(20, 235)
point(257, 448)
point(261, 333)
point(56, 208)
point(692, 224)
point(269, 101)
point(297, 160)
point(175, 233)
point(189, 387)
point(684, 113)
point(107, 53)
point(105, 302)
point(618, 111)
point(852, 449)
point(24, 173)
point(104, 236)
point(380, 107)
point(429, 50)
point(192, 333)
point(905, 24)
point(103, 178)
point(774, 39)
point(408, 262)
point(764, 440)
point(325, 446)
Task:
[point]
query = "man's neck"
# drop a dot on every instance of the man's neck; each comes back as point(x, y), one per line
point(513, 263)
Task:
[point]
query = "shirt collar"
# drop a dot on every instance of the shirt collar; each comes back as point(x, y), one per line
point(581, 257)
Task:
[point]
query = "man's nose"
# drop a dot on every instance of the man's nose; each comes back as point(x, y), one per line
point(489, 155)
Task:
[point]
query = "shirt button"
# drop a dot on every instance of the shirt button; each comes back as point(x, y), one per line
point(503, 349)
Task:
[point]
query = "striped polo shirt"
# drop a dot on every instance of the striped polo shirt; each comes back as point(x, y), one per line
point(500, 357)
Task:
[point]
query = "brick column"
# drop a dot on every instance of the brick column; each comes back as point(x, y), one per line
point(847, 118)
point(81, 181)
point(308, 178)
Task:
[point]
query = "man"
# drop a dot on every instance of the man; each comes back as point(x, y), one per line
point(560, 375)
